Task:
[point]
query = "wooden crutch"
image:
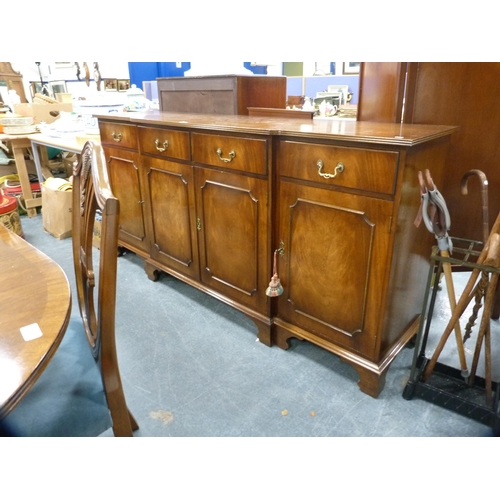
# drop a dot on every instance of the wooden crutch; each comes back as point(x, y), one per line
point(437, 220)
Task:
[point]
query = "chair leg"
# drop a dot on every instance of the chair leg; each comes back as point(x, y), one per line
point(133, 422)
point(123, 422)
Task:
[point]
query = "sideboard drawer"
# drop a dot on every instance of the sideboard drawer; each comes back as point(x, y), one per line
point(164, 142)
point(356, 168)
point(118, 135)
point(237, 153)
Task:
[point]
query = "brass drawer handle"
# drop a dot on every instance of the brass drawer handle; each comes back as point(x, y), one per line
point(161, 149)
point(116, 138)
point(338, 169)
point(232, 154)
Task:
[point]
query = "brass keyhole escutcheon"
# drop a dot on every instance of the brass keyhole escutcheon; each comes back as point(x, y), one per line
point(281, 249)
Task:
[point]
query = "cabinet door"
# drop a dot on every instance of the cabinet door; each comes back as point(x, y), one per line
point(170, 197)
point(125, 181)
point(233, 235)
point(335, 265)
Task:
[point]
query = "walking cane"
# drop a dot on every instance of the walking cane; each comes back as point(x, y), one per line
point(483, 282)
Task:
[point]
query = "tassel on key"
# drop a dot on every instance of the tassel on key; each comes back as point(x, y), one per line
point(274, 289)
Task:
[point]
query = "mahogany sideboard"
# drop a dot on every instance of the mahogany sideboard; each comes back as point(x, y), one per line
point(209, 198)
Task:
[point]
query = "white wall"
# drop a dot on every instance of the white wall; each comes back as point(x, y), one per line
point(52, 72)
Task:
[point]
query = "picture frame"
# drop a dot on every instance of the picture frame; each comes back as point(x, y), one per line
point(36, 88)
point(123, 85)
point(58, 87)
point(110, 84)
point(351, 68)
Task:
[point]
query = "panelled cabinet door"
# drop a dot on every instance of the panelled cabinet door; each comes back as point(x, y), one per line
point(232, 219)
point(124, 174)
point(335, 264)
point(170, 193)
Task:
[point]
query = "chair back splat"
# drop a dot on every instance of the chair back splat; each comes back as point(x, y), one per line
point(92, 191)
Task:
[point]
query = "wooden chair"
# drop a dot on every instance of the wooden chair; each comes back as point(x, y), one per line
point(93, 394)
point(92, 190)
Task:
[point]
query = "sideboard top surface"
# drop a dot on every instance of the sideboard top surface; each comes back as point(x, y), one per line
point(345, 130)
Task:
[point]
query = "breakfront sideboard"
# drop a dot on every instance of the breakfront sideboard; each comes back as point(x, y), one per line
point(210, 198)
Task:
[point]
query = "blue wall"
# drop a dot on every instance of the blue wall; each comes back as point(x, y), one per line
point(147, 71)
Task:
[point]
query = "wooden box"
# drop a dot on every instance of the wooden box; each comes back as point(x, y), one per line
point(225, 94)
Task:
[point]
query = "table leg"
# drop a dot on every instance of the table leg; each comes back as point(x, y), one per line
point(18, 147)
point(38, 161)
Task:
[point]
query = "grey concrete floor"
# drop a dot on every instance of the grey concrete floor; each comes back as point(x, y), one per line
point(192, 367)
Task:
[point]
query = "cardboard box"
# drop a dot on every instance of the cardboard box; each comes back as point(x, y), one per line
point(64, 97)
point(57, 212)
point(41, 112)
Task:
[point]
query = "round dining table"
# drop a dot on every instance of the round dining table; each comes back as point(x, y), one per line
point(35, 308)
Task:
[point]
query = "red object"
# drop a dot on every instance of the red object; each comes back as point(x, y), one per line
point(13, 190)
point(7, 204)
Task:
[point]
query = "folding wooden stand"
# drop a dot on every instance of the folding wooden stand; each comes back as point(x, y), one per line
point(448, 386)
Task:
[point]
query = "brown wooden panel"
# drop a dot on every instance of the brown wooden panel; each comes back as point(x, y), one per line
point(381, 90)
point(464, 94)
point(195, 101)
point(449, 93)
point(250, 154)
point(173, 221)
point(258, 91)
point(334, 266)
point(364, 169)
point(118, 135)
point(124, 174)
point(233, 236)
point(300, 114)
point(166, 143)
